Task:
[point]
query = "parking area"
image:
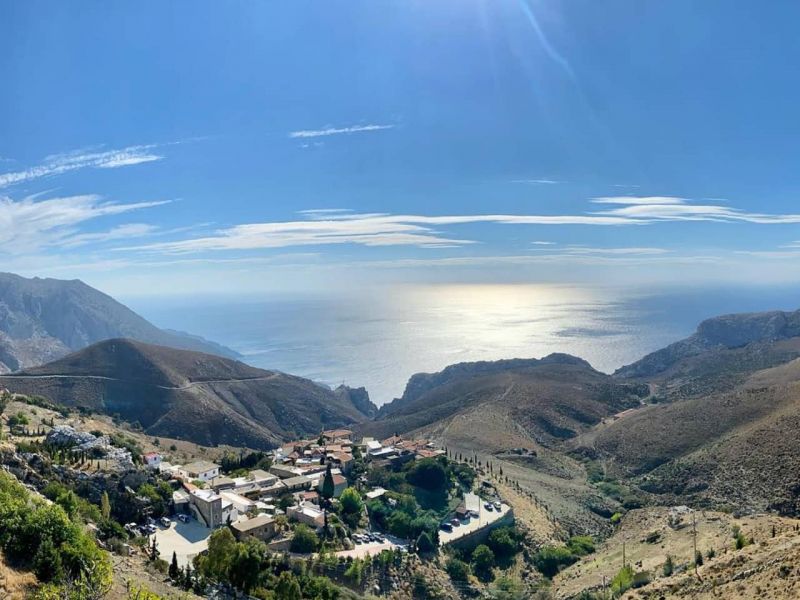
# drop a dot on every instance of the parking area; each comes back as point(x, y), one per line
point(372, 548)
point(187, 540)
point(486, 517)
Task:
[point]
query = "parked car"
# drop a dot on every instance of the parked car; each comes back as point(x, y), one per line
point(379, 538)
point(497, 506)
point(183, 518)
point(446, 527)
point(455, 522)
point(488, 506)
point(165, 522)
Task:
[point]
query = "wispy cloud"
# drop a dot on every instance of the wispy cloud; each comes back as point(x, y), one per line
point(666, 208)
point(543, 243)
point(121, 232)
point(312, 133)
point(29, 224)
point(57, 164)
point(337, 226)
point(537, 181)
point(625, 251)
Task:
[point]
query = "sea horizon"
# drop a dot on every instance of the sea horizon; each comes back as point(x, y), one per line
point(379, 339)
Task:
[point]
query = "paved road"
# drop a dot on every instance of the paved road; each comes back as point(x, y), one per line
point(162, 387)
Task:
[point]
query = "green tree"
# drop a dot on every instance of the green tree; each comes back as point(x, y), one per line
point(428, 474)
point(221, 546)
point(47, 562)
point(424, 543)
point(174, 570)
point(287, 588)
point(304, 540)
point(245, 565)
point(350, 501)
point(105, 506)
point(483, 562)
point(328, 487)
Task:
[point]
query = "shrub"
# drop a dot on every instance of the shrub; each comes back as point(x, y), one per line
point(669, 566)
point(551, 559)
point(457, 569)
point(641, 579)
point(42, 537)
point(622, 581)
point(581, 545)
point(503, 542)
point(653, 537)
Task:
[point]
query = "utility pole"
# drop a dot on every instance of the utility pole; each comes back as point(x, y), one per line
point(694, 541)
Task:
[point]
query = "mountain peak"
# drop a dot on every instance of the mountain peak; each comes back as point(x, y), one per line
point(42, 319)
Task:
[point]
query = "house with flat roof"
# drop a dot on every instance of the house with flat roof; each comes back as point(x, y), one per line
point(308, 514)
point(285, 471)
point(211, 508)
point(262, 527)
point(296, 484)
point(202, 470)
point(243, 505)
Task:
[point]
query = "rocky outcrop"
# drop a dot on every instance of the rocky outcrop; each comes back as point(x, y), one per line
point(719, 333)
point(359, 398)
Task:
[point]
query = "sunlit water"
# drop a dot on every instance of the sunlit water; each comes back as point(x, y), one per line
point(379, 339)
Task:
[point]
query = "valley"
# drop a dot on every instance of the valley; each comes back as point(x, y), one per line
point(584, 462)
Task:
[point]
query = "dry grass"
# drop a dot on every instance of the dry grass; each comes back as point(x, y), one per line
point(15, 585)
point(714, 531)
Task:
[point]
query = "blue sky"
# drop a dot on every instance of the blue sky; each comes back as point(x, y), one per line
point(162, 148)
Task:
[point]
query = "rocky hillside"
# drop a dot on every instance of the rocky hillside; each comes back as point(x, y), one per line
point(204, 398)
point(543, 401)
point(715, 337)
point(45, 319)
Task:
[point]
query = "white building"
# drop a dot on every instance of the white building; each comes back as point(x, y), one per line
point(152, 460)
point(212, 509)
point(243, 505)
point(308, 514)
point(201, 470)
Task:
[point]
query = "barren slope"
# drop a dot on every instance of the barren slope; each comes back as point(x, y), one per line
point(189, 395)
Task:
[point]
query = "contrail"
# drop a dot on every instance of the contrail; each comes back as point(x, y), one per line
point(548, 47)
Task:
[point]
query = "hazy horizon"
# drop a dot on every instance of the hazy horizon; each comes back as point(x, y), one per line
point(379, 339)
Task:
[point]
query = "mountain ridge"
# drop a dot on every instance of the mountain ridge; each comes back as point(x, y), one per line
point(43, 319)
point(190, 395)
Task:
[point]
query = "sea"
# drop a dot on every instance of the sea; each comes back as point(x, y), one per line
point(378, 338)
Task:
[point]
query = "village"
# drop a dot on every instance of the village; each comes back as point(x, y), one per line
point(270, 503)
